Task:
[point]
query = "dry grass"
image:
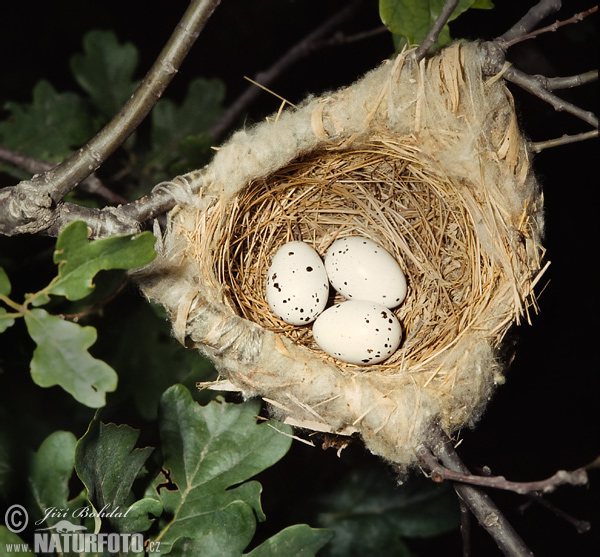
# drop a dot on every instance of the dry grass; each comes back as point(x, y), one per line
point(385, 192)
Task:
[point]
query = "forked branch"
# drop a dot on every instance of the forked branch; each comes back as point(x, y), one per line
point(440, 473)
point(433, 34)
point(535, 87)
point(33, 205)
point(33, 165)
point(529, 21)
point(494, 53)
point(480, 504)
point(442, 463)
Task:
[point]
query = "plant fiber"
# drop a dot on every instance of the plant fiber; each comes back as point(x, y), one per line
point(450, 136)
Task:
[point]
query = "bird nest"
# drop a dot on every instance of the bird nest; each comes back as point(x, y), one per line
point(424, 159)
point(382, 191)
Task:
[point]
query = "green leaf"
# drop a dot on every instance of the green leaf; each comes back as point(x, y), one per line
point(107, 462)
point(5, 288)
point(412, 19)
point(370, 514)
point(4, 283)
point(194, 151)
point(11, 456)
point(300, 540)
point(50, 127)
point(171, 124)
point(50, 472)
point(12, 543)
point(105, 70)
point(151, 371)
point(61, 358)
point(227, 527)
point(5, 320)
point(79, 259)
point(208, 450)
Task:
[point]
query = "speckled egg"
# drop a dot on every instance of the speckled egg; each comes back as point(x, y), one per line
point(358, 332)
point(359, 269)
point(297, 286)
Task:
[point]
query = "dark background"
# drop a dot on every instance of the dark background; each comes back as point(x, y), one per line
point(546, 416)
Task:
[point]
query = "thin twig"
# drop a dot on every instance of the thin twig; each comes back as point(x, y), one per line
point(32, 204)
point(99, 306)
point(532, 85)
point(433, 33)
point(339, 39)
point(92, 184)
point(554, 83)
point(582, 526)
point(265, 78)
point(551, 28)
point(67, 175)
point(562, 477)
point(487, 513)
point(528, 22)
point(539, 146)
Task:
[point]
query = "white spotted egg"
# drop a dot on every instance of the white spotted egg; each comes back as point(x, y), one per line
point(358, 332)
point(297, 286)
point(359, 269)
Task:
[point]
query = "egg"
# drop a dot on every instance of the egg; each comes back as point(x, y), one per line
point(359, 269)
point(358, 332)
point(297, 285)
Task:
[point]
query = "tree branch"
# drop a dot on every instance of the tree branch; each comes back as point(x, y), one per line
point(539, 146)
point(33, 165)
point(480, 504)
point(582, 526)
point(31, 206)
point(554, 83)
point(125, 219)
point(533, 86)
point(433, 33)
point(550, 28)
point(526, 24)
point(265, 78)
point(440, 473)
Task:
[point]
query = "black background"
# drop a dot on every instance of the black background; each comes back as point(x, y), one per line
point(546, 417)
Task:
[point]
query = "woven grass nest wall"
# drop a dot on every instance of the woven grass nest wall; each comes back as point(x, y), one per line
point(427, 160)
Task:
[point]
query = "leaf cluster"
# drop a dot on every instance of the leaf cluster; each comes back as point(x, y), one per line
point(191, 492)
point(54, 123)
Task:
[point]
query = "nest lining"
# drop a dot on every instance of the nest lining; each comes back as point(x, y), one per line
point(383, 191)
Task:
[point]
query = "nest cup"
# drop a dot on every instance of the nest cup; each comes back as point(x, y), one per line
point(425, 159)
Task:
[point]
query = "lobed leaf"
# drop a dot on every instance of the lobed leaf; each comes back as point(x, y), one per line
point(370, 514)
point(107, 462)
point(61, 358)
point(105, 70)
point(299, 540)
point(210, 452)
point(172, 124)
point(50, 127)
point(79, 260)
